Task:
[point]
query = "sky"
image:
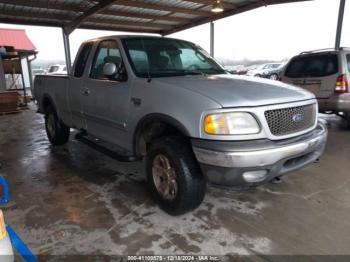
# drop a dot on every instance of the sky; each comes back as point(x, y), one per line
point(273, 32)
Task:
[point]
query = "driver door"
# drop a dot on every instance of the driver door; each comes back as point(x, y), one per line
point(105, 100)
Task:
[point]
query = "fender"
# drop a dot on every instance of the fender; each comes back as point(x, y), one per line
point(41, 103)
point(156, 117)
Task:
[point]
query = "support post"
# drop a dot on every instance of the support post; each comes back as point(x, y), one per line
point(23, 83)
point(67, 51)
point(30, 71)
point(2, 76)
point(212, 35)
point(340, 24)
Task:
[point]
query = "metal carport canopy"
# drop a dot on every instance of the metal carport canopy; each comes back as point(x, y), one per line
point(147, 16)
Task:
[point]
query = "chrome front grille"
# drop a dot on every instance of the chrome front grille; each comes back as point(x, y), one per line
point(291, 120)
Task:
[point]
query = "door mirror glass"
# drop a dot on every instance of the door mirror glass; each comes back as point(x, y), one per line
point(110, 69)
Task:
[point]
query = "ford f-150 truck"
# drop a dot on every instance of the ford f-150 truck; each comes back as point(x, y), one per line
point(168, 102)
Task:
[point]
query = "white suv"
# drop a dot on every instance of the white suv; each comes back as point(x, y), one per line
point(326, 74)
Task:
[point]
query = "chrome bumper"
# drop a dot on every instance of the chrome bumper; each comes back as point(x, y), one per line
point(235, 159)
point(260, 157)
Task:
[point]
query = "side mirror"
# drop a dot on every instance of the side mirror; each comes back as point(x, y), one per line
point(110, 69)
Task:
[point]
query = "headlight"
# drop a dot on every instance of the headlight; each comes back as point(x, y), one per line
point(232, 123)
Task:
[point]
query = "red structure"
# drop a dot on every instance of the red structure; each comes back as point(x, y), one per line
point(16, 54)
point(16, 38)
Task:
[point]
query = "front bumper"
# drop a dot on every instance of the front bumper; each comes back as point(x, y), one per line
point(225, 163)
point(336, 103)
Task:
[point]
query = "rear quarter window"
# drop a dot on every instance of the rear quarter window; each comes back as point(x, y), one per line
point(319, 65)
point(348, 61)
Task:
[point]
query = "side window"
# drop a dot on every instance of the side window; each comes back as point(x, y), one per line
point(348, 61)
point(107, 52)
point(82, 59)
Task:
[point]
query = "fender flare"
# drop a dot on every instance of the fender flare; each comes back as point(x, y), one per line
point(42, 106)
point(156, 117)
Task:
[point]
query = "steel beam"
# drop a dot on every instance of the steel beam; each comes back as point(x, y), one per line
point(93, 10)
point(97, 24)
point(45, 5)
point(120, 23)
point(114, 28)
point(66, 19)
point(67, 51)
point(340, 24)
point(162, 7)
point(230, 12)
point(145, 16)
point(76, 8)
point(212, 39)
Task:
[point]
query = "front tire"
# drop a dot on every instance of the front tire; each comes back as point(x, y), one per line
point(174, 176)
point(57, 132)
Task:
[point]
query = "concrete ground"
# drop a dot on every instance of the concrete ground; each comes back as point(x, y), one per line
point(73, 200)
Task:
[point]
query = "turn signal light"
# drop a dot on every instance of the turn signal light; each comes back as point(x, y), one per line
point(341, 85)
point(213, 123)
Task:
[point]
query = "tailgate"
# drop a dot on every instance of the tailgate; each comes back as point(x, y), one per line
point(320, 87)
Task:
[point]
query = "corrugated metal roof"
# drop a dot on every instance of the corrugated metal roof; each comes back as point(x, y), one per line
point(148, 16)
point(16, 38)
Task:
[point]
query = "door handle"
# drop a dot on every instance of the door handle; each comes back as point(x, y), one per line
point(86, 92)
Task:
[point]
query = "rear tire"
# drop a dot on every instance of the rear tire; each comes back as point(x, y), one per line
point(57, 132)
point(174, 176)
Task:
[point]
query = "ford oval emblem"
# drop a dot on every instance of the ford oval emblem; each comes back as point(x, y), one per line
point(298, 118)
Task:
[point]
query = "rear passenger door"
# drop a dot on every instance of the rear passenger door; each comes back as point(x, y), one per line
point(76, 83)
point(105, 100)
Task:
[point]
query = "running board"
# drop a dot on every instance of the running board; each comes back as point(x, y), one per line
point(113, 154)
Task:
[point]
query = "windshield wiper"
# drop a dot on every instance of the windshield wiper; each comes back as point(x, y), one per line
point(217, 70)
point(194, 72)
point(182, 72)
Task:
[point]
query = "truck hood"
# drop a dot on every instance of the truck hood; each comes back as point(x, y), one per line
point(238, 91)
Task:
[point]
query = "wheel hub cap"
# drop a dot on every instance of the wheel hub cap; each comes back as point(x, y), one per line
point(164, 177)
point(51, 124)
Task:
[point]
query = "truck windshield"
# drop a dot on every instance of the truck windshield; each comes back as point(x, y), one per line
point(163, 57)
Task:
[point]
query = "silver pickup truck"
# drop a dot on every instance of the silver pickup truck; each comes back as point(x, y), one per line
point(168, 102)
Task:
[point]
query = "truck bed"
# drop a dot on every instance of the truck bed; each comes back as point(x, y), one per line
point(53, 86)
